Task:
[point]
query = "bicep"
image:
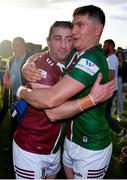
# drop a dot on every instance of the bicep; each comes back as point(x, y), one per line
point(65, 89)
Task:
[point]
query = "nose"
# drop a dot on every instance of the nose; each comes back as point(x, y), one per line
point(74, 30)
point(63, 44)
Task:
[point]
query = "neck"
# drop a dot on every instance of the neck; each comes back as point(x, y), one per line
point(85, 49)
point(89, 45)
point(19, 55)
point(110, 53)
point(59, 61)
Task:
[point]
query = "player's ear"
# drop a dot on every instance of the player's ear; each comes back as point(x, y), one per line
point(99, 29)
point(47, 40)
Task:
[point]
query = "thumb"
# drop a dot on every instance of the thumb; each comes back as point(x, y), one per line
point(33, 64)
point(99, 78)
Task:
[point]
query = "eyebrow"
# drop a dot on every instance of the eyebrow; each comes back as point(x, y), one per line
point(61, 36)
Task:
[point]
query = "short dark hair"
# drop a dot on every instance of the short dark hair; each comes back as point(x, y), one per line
point(19, 39)
point(92, 11)
point(122, 54)
point(63, 24)
point(110, 42)
point(120, 48)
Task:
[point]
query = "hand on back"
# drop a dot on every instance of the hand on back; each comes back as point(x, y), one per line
point(29, 70)
point(102, 92)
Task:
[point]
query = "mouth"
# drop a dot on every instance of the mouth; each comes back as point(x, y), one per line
point(75, 39)
point(62, 52)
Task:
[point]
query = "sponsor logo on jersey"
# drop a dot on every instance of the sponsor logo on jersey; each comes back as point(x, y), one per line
point(87, 66)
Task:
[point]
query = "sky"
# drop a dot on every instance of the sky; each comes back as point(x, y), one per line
point(31, 19)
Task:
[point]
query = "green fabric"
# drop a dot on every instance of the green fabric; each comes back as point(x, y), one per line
point(61, 138)
point(90, 128)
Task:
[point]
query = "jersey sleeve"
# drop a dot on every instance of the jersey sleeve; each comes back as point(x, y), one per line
point(51, 72)
point(85, 71)
point(111, 63)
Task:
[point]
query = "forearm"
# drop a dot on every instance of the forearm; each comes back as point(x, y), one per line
point(53, 96)
point(69, 108)
point(34, 104)
point(64, 111)
point(40, 98)
point(33, 96)
point(58, 94)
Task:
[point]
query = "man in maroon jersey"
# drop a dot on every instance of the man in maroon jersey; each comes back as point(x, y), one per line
point(36, 146)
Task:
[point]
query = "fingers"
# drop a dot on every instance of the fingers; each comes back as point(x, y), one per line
point(96, 84)
point(102, 92)
point(30, 73)
point(112, 83)
point(33, 75)
point(111, 86)
point(32, 65)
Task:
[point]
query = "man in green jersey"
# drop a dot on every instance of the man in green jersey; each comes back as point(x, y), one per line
point(88, 145)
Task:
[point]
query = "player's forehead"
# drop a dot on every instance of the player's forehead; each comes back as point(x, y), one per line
point(18, 43)
point(61, 31)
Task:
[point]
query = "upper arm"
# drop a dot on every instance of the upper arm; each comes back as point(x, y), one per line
point(111, 74)
point(112, 63)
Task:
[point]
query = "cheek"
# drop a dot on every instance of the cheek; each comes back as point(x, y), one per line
point(67, 53)
point(53, 47)
point(69, 47)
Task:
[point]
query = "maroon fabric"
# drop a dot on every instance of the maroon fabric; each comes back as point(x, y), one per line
point(36, 133)
point(73, 61)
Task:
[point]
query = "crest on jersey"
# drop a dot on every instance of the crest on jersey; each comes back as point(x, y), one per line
point(44, 74)
point(61, 66)
point(85, 139)
point(87, 66)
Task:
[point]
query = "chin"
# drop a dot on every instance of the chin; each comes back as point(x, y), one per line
point(76, 46)
point(62, 57)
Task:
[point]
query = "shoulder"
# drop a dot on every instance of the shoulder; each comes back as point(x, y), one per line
point(112, 59)
point(42, 55)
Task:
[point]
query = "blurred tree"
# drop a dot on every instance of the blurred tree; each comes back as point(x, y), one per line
point(5, 49)
point(45, 48)
point(34, 48)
